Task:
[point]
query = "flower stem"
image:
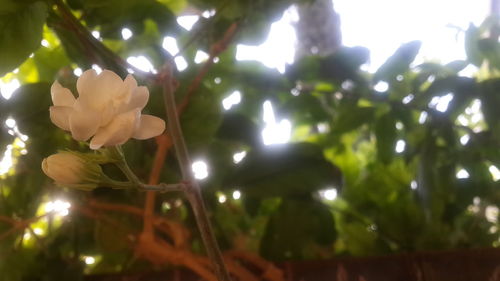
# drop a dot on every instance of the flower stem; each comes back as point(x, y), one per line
point(117, 154)
point(192, 191)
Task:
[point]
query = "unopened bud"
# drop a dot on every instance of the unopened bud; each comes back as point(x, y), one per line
point(72, 170)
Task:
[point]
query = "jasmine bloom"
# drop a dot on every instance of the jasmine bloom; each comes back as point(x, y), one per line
point(107, 109)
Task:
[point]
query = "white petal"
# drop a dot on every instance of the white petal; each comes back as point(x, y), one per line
point(139, 99)
point(61, 96)
point(109, 82)
point(59, 115)
point(107, 114)
point(129, 84)
point(150, 126)
point(86, 82)
point(118, 131)
point(83, 124)
point(95, 92)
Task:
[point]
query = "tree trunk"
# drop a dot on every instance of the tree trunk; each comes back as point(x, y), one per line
point(318, 29)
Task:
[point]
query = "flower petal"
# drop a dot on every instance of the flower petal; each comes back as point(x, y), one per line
point(83, 124)
point(118, 131)
point(122, 97)
point(61, 96)
point(86, 82)
point(107, 114)
point(149, 126)
point(97, 91)
point(139, 99)
point(128, 85)
point(59, 115)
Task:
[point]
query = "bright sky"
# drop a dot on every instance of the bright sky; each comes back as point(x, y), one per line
point(383, 25)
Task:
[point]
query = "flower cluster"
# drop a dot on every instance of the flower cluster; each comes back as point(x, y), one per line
point(107, 111)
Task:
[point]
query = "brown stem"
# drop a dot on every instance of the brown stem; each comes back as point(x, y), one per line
point(21, 225)
point(215, 50)
point(164, 144)
point(193, 192)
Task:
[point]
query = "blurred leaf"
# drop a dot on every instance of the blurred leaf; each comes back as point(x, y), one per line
point(344, 64)
point(472, 36)
point(294, 229)
point(284, 170)
point(491, 51)
point(385, 131)
point(201, 119)
point(399, 62)
point(21, 29)
point(351, 117)
point(237, 127)
point(457, 65)
point(464, 89)
point(490, 103)
point(113, 15)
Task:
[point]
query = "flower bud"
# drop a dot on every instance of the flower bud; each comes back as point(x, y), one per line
point(71, 170)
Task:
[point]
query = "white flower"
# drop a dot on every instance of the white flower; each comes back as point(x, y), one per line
point(69, 169)
point(108, 109)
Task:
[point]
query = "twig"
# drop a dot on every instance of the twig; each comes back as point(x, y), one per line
point(121, 163)
point(21, 225)
point(93, 45)
point(8, 220)
point(163, 145)
point(216, 50)
point(192, 191)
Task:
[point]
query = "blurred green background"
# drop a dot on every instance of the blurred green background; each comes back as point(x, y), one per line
point(306, 146)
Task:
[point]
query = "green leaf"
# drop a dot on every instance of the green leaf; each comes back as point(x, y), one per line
point(399, 62)
point(385, 131)
point(113, 15)
point(284, 170)
point(202, 118)
point(344, 64)
point(296, 228)
point(490, 48)
point(237, 127)
point(463, 88)
point(352, 117)
point(490, 104)
point(20, 33)
point(472, 36)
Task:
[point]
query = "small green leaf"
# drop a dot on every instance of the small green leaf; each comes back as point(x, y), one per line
point(237, 127)
point(385, 131)
point(20, 34)
point(399, 62)
point(352, 117)
point(472, 36)
point(284, 170)
point(295, 228)
point(491, 50)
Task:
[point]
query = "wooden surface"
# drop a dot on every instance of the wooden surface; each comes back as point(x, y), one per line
point(466, 265)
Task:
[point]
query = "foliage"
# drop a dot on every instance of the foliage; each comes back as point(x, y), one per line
point(347, 124)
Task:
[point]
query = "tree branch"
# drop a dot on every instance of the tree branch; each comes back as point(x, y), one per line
point(192, 191)
point(219, 47)
point(163, 145)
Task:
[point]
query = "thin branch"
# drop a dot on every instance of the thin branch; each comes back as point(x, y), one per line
point(163, 145)
point(21, 225)
point(219, 47)
point(8, 220)
point(193, 192)
point(93, 45)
